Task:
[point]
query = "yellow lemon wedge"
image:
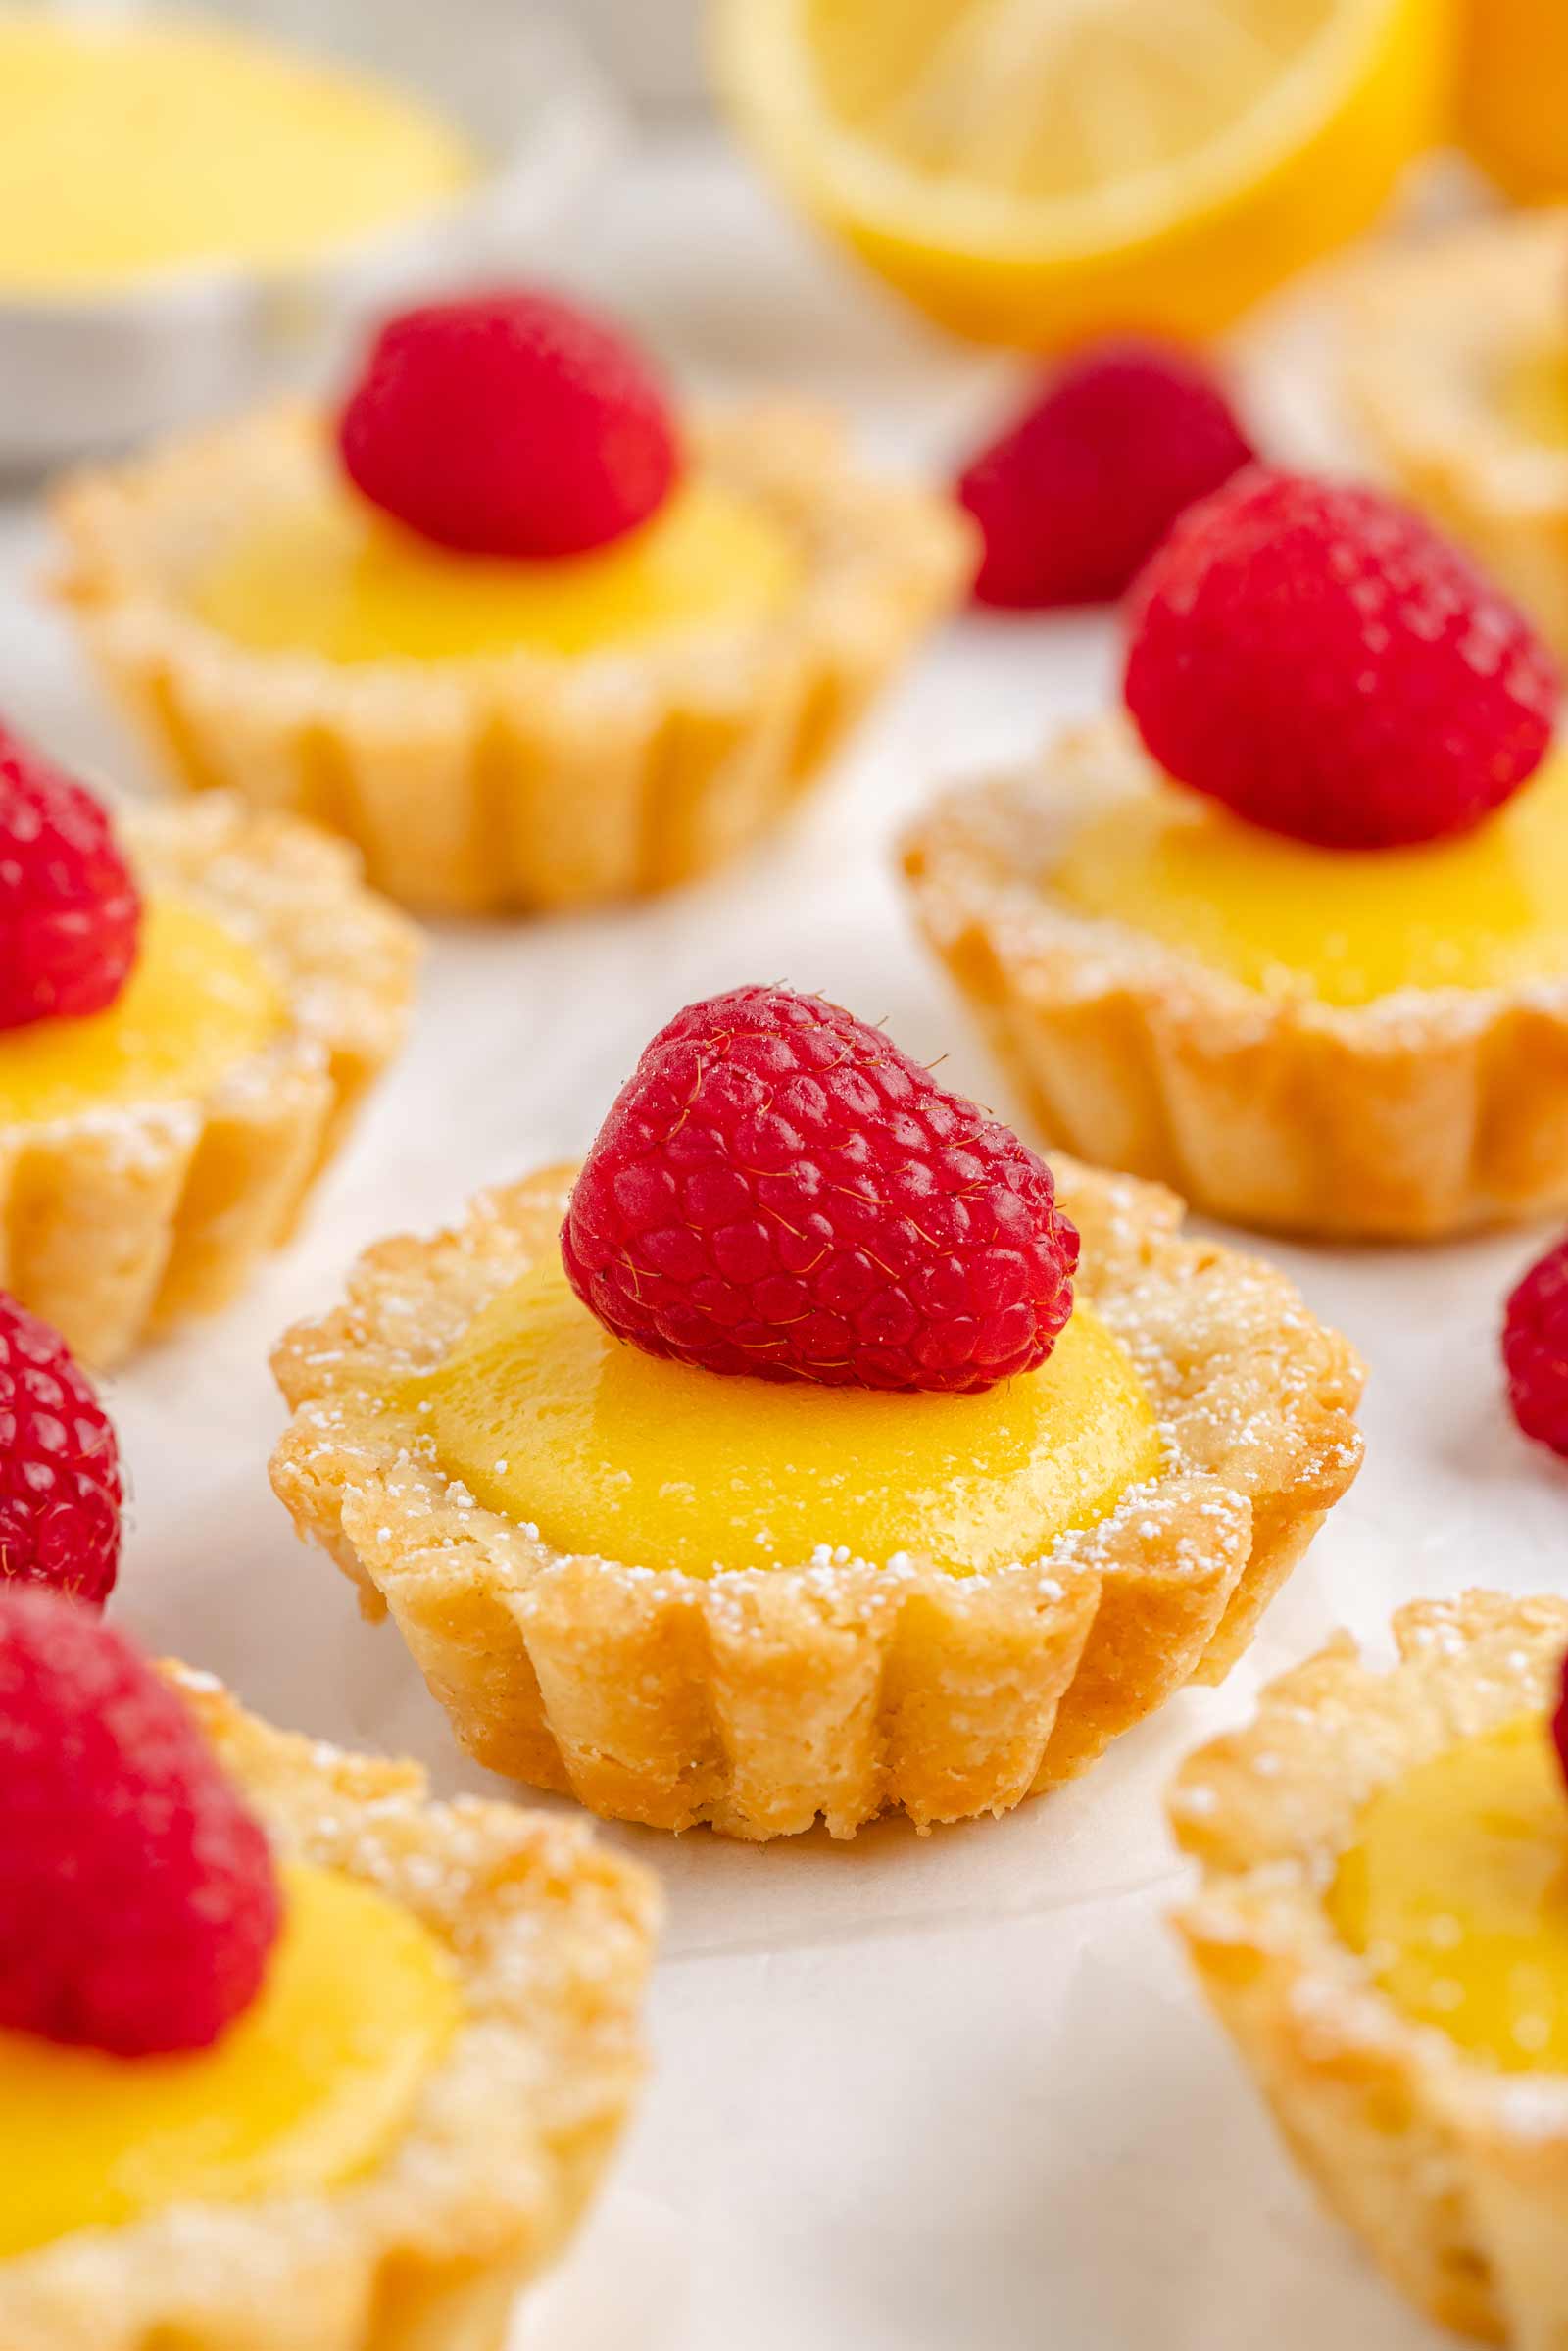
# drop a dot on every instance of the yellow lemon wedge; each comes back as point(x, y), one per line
point(1032, 171)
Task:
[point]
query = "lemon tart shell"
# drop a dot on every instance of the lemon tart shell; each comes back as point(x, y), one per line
point(1423, 1114)
point(549, 1937)
point(118, 1223)
point(1432, 334)
point(1453, 2173)
point(762, 1700)
point(525, 779)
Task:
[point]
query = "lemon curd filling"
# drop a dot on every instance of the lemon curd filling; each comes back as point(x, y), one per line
point(132, 145)
point(311, 2086)
point(548, 1419)
point(198, 1001)
point(1456, 1888)
point(336, 578)
point(1488, 910)
point(1534, 396)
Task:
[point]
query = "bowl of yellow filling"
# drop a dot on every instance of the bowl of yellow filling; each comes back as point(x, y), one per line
point(190, 206)
point(1382, 1927)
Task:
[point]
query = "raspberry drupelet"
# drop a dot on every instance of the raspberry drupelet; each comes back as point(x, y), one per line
point(778, 1190)
point(1083, 486)
point(1328, 665)
point(59, 1488)
point(138, 1899)
point(70, 910)
point(509, 424)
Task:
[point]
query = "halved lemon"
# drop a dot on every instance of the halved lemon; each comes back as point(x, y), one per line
point(1032, 171)
point(1513, 94)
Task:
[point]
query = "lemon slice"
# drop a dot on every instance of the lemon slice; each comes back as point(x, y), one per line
point(1031, 172)
point(1513, 94)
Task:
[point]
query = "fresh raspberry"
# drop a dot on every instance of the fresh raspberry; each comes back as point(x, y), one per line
point(1535, 1349)
point(779, 1190)
point(70, 912)
point(59, 1466)
point(1324, 663)
point(138, 1901)
point(509, 424)
point(1085, 484)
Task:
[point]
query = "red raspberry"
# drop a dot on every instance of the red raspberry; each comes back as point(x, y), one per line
point(1535, 1349)
point(509, 424)
point(138, 1901)
point(1086, 483)
point(779, 1190)
point(1324, 663)
point(59, 1466)
point(70, 911)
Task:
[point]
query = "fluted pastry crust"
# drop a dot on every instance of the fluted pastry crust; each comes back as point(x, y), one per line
point(116, 1223)
point(762, 1700)
point(1431, 333)
point(519, 780)
point(1455, 2174)
point(426, 2252)
point(1423, 1114)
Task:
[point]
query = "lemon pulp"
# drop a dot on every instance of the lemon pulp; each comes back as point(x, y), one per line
point(312, 2084)
point(335, 578)
point(1488, 910)
point(198, 1001)
point(1535, 396)
point(550, 1420)
point(1456, 1888)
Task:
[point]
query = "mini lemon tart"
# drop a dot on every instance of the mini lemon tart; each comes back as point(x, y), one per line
point(151, 1152)
point(1383, 1928)
point(397, 2133)
point(501, 733)
point(688, 1597)
point(1370, 1042)
point(1455, 366)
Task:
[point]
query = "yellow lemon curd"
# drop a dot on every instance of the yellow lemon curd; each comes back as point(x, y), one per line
point(311, 2086)
point(199, 1001)
point(131, 145)
point(1534, 396)
point(334, 578)
point(1488, 910)
point(1456, 1888)
point(550, 1420)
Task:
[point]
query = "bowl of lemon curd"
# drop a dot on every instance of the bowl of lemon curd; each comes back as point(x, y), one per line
point(192, 205)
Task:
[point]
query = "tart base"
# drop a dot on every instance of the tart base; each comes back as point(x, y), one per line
point(1420, 1115)
point(116, 1225)
point(519, 781)
point(764, 1700)
point(551, 1937)
point(1455, 2176)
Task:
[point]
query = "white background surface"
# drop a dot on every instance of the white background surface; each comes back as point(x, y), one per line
point(941, 2094)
